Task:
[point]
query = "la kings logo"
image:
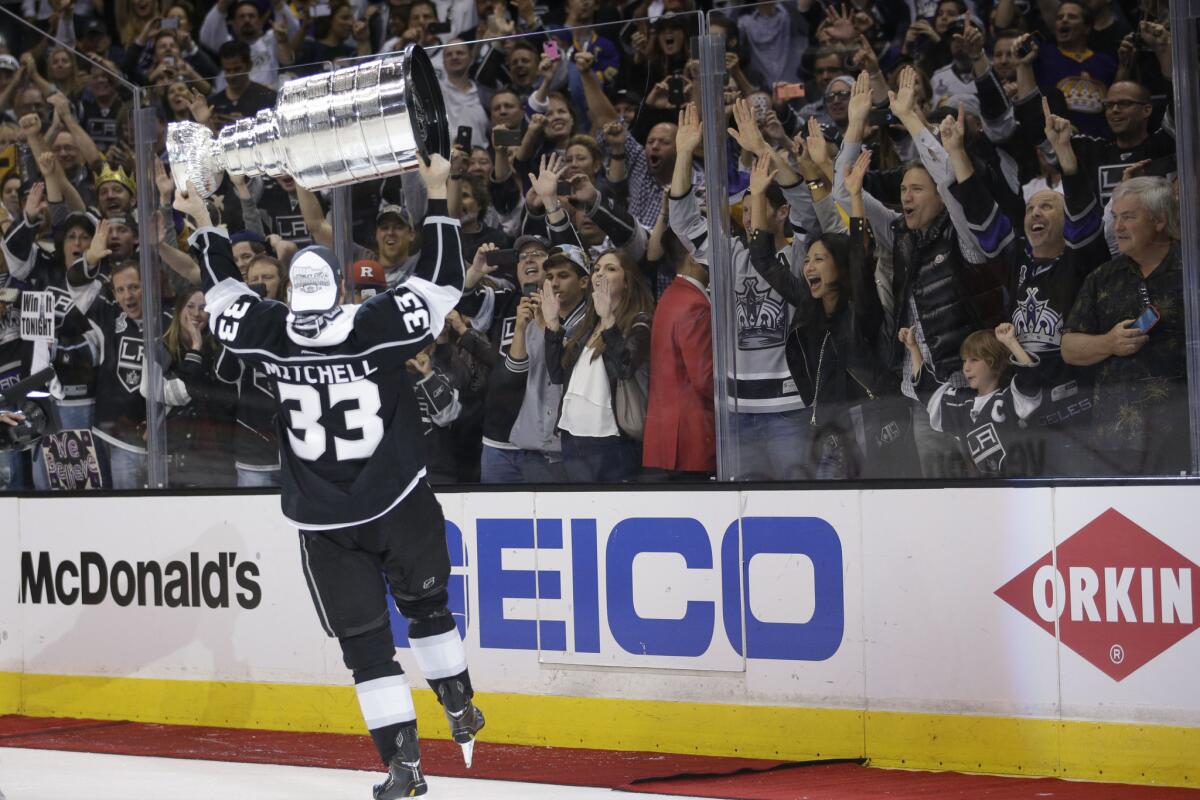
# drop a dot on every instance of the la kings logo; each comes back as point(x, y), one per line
point(90, 580)
point(761, 316)
point(129, 363)
point(1119, 595)
point(1038, 326)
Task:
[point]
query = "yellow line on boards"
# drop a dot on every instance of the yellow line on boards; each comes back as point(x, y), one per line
point(1127, 753)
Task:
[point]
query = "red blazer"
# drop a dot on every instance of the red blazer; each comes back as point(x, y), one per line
point(680, 429)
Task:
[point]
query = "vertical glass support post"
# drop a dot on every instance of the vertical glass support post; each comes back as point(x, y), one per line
point(1185, 54)
point(341, 222)
point(720, 267)
point(145, 132)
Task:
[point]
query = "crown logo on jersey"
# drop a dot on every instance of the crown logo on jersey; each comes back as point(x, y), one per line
point(761, 317)
point(1082, 93)
point(118, 175)
point(1039, 327)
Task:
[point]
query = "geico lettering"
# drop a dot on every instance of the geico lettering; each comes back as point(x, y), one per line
point(1128, 594)
point(709, 585)
point(177, 584)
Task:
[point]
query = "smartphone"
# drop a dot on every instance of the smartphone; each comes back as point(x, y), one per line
point(1147, 320)
point(788, 91)
point(259, 289)
point(501, 258)
point(529, 289)
point(550, 49)
point(881, 118)
point(463, 139)
point(169, 23)
point(760, 104)
point(675, 91)
point(957, 27)
point(1025, 46)
point(438, 27)
point(502, 137)
point(565, 188)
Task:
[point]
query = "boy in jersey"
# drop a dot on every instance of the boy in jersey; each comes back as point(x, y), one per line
point(353, 477)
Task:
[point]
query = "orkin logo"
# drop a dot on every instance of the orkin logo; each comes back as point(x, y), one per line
point(1119, 595)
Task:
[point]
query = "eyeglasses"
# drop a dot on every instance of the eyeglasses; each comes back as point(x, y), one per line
point(838, 95)
point(1124, 105)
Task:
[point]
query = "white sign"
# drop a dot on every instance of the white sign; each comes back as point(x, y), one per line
point(37, 316)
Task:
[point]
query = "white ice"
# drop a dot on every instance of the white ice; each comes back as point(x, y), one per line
point(55, 775)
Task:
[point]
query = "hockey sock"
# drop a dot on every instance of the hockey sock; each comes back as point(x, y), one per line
point(387, 706)
point(439, 656)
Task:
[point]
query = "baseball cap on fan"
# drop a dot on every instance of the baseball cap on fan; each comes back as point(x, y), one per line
point(315, 279)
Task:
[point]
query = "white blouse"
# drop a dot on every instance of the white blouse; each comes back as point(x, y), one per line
point(587, 402)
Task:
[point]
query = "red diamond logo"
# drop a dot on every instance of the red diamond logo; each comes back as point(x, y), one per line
point(1121, 597)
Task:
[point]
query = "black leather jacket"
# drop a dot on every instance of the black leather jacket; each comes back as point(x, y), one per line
point(841, 348)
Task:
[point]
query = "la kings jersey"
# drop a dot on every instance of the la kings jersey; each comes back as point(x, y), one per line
point(349, 427)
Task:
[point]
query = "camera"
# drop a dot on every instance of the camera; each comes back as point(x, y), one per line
point(30, 398)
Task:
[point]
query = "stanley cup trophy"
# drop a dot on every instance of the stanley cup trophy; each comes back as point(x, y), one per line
point(354, 124)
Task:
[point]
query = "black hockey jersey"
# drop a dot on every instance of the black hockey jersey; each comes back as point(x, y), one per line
point(120, 407)
point(349, 427)
point(255, 444)
point(991, 428)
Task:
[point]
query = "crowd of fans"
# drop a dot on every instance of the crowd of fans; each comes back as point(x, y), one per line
point(955, 235)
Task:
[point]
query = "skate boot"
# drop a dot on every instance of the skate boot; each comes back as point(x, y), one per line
point(405, 778)
point(464, 717)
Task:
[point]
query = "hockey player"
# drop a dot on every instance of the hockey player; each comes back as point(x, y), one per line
point(353, 479)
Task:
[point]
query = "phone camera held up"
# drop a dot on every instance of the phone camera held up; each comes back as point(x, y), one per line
point(463, 139)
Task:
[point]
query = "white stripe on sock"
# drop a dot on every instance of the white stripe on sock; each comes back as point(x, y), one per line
point(440, 656)
point(386, 701)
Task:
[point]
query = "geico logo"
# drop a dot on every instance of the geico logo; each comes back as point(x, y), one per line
point(176, 584)
point(653, 587)
point(1161, 594)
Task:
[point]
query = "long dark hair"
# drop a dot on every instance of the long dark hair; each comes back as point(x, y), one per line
point(636, 299)
point(838, 245)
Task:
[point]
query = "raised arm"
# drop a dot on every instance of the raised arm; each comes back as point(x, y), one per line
point(87, 147)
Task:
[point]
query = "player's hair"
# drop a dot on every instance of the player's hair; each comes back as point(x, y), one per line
point(985, 346)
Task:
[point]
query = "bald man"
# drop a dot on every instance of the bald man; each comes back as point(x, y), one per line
point(1061, 245)
point(1127, 109)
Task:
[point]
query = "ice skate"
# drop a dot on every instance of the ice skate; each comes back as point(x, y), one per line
point(405, 778)
point(464, 717)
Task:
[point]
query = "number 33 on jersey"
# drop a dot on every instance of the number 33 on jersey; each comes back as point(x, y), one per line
point(350, 431)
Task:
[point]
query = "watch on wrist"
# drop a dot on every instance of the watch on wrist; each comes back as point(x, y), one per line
point(818, 183)
point(617, 156)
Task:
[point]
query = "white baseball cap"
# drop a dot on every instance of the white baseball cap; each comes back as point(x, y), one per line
point(314, 277)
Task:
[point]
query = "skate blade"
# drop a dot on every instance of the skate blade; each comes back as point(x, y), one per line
point(468, 751)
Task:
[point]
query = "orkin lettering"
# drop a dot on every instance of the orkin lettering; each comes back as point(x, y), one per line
point(1172, 603)
point(320, 373)
point(1112, 592)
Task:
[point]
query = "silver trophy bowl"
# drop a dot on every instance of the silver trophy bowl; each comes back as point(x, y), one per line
point(354, 124)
